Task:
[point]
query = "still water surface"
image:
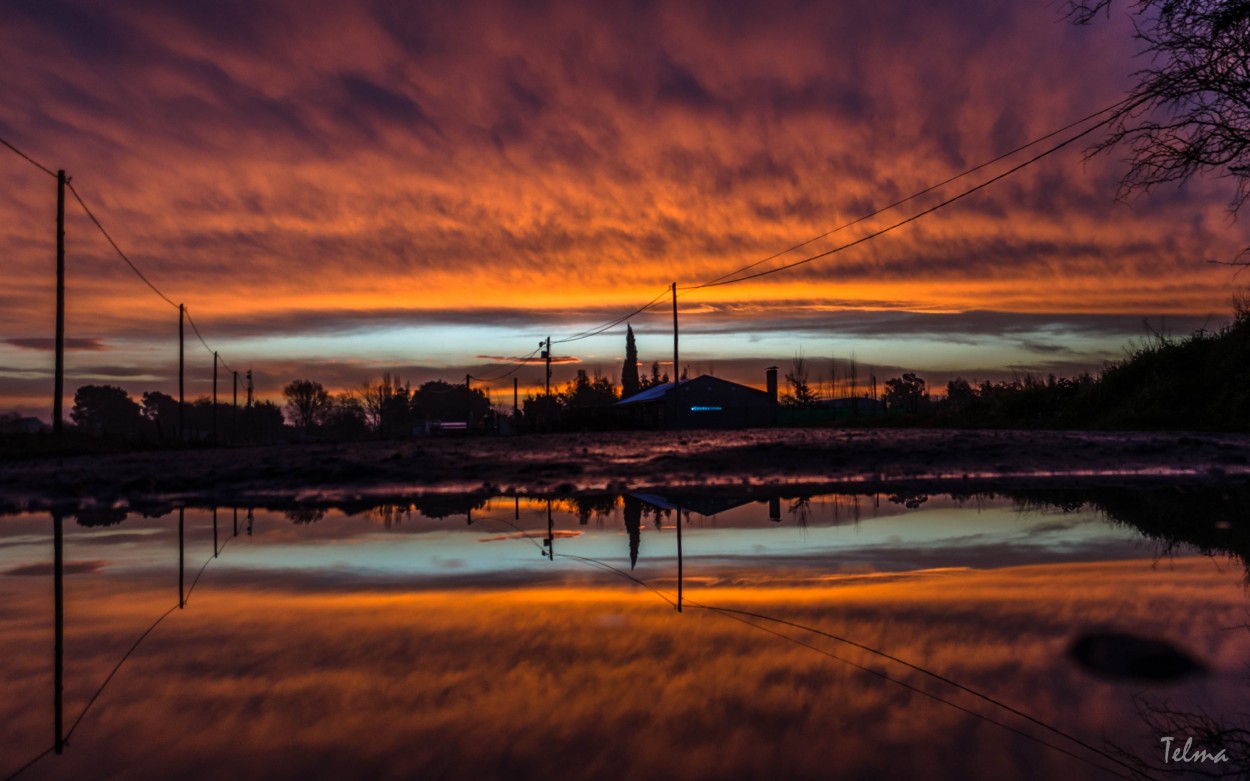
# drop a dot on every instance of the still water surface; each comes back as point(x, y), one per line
point(827, 636)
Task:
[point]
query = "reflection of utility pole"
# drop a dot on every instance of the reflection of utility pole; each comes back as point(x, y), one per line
point(58, 593)
point(236, 521)
point(182, 600)
point(215, 531)
point(679, 562)
point(547, 543)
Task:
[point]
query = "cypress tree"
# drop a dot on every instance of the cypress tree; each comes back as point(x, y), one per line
point(629, 372)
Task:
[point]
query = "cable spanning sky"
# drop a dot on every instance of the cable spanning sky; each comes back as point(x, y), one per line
point(341, 190)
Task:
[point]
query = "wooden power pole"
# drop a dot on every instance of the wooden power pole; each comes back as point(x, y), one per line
point(58, 385)
point(182, 430)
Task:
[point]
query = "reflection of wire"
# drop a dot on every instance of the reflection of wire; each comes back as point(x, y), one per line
point(117, 667)
point(741, 615)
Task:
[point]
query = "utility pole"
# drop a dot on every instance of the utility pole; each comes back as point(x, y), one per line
point(234, 410)
point(249, 389)
point(58, 385)
point(516, 415)
point(675, 369)
point(468, 405)
point(214, 396)
point(547, 355)
point(182, 430)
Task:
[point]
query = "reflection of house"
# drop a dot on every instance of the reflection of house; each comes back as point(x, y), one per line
point(703, 402)
point(702, 504)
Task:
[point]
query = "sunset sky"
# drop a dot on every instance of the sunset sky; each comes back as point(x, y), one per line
point(339, 190)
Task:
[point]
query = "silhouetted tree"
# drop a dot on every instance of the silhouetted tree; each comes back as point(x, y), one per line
point(387, 406)
point(105, 411)
point(906, 393)
point(800, 393)
point(346, 417)
point(585, 393)
point(162, 410)
point(630, 384)
point(1189, 110)
point(440, 401)
point(655, 378)
point(307, 403)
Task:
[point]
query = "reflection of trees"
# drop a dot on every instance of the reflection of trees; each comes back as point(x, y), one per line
point(600, 506)
point(389, 514)
point(107, 516)
point(436, 506)
point(302, 515)
point(1209, 733)
point(801, 510)
point(911, 501)
point(1209, 520)
point(633, 526)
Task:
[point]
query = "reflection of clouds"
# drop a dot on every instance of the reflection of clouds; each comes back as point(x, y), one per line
point(44, 569)
point(594, 683)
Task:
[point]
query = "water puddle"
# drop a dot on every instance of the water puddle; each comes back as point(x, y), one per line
point(693, 633)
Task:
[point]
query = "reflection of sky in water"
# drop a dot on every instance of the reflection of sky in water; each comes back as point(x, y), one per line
point(298, 656)
point(830, 534)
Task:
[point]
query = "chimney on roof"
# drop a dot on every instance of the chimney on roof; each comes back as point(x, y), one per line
point(771, 375)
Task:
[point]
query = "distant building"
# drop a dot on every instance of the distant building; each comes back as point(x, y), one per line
point(16, 424)
point(703, 402)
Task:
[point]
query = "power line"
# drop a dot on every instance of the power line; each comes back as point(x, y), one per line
point(118, 249)
point(515, 364)
point(607, 326)
point(29, 159)
point(916, 195)
point(910, 219)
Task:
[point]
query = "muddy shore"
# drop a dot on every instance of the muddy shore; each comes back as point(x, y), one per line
point(586, 463)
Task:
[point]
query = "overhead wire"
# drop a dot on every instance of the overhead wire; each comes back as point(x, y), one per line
point(910, 219)
point(915, 195)
point(516, 365)
point(608, 326)
point(29, 159)
point(733, 278)
point(118, 249)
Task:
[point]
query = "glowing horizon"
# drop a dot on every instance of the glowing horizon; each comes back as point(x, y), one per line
point(338, 192)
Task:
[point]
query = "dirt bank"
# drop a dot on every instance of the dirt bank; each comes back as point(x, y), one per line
point(617, 461)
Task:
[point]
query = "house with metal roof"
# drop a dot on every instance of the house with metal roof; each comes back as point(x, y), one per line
point(701, 402)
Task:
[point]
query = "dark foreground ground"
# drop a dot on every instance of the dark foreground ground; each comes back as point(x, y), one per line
point(573, 463)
